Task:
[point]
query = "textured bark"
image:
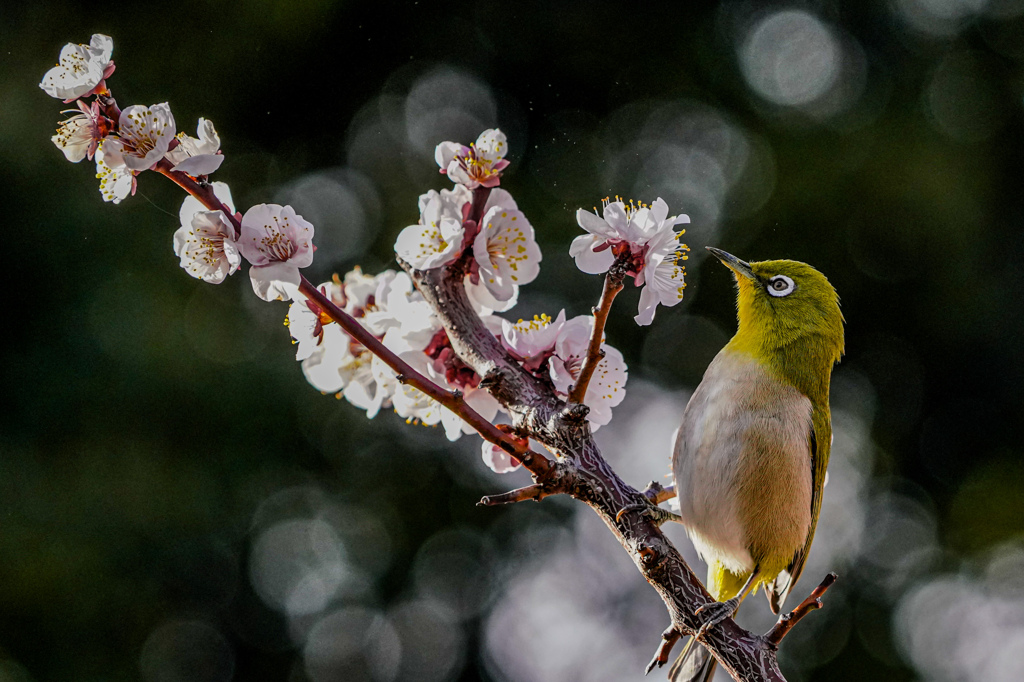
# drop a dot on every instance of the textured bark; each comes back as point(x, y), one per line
point(581, 472)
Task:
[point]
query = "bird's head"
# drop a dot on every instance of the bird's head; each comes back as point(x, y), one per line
point(784, 302)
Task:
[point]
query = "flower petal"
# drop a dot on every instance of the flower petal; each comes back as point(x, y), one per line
point(204, 164)
point(587, 260)
point(276, 281)
point(496, 459)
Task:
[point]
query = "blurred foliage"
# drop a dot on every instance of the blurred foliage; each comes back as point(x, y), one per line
point(151, 419)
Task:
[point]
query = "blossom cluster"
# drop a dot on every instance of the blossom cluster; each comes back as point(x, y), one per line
point(643, 238)
point(126, 142)
point(210, 243)
point(475, 228)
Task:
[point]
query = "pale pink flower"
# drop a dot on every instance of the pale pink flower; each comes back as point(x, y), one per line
point(277, 242)
point(437, 239)
point(644, 237)
point(143, 136)
point(81, 69)
point(479, 164)
point(79, 136)
point(207, 247)
point(506, 252)
point(532, 341)
point(607, 385)
point(116, 183)
point(197, 156)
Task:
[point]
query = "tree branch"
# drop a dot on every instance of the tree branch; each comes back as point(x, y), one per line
point(533, 492)
point(201, 191)
point(612, 286)
point(788, 620)
point(453, 400)
point(534, 462)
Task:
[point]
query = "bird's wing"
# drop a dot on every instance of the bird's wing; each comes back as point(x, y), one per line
point(820, 447)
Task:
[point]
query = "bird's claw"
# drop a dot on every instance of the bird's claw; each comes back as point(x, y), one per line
point(714, 613)
point(651, 511)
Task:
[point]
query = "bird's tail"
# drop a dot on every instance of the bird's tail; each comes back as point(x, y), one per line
point(695, 663)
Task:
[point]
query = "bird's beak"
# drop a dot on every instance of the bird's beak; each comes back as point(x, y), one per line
point(733, 263)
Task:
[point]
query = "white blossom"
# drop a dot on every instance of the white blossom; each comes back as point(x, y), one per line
point(532, 341)
point(622, 230)
point(206, 244)
point(143, 135)
point(334, 362)
point(437, 239)
point(483, 301)
point(645, 239)
point(81, 69)
point(277, 242)
point(506, 252)
point(116, 183)
point(197, 156)
point(78, 137)
point(327, 364)
point(663, 276)
point(479, 164)
point(207, 247)
point(607, 385)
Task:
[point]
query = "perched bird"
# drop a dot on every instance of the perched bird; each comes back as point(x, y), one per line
point(750, 457)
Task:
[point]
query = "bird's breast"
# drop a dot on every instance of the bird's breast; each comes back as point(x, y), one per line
point(742, 465)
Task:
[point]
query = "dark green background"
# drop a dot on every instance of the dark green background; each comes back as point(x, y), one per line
point(148, 415)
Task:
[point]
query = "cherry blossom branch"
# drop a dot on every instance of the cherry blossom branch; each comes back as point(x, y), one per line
point(453, 400)
point(612, 286)
point(788, 620)
point(534, 462)
point(143, 142)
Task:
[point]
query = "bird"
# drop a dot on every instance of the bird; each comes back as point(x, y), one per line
point(750, 456)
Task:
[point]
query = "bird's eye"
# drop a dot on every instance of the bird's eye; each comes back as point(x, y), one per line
point(780, 285)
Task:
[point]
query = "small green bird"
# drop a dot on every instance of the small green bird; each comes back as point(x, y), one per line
point(750, 456)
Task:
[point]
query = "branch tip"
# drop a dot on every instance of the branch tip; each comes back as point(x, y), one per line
point(787, 621)
point(668, 640)
point(533, 492)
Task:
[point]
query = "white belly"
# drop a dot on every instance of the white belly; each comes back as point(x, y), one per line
point(742, 466)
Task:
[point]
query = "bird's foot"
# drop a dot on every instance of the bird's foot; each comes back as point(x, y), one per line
point(652, 511)
point(715, 612)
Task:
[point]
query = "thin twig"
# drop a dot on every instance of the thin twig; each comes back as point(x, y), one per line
point(533, 492)
point(201, 191)
point(788, 620)
point(612, 287)
point(668, 640)
point(533, 461)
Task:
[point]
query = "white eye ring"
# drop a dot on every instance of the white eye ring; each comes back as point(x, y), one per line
point(780, 285)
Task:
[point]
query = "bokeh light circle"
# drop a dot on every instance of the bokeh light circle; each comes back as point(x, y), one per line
point(790, 58)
